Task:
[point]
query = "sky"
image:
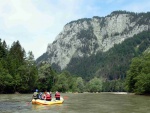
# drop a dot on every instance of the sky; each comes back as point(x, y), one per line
point(36, 23)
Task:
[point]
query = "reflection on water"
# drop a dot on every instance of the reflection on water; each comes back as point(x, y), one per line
point(78, 103)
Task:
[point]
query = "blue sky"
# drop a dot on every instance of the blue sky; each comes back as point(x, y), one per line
point(36, 23)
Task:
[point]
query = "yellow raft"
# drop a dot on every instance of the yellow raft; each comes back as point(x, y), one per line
point(44, 102)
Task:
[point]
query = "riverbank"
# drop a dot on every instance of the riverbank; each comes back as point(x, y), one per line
point(121, 93)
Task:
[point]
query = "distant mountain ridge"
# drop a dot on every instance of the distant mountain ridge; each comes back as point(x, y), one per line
point(88, 36)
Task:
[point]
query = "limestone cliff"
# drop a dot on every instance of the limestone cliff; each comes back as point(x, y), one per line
point(89, 35)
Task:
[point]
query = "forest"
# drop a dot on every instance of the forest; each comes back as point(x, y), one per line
point(125, 67)
point(19, 73)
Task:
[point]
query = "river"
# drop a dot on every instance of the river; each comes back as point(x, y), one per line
point(78, 103)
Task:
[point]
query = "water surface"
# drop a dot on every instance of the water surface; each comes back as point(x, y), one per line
point(78, 103)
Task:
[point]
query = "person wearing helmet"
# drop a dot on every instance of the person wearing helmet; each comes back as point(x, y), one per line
point(35, 94)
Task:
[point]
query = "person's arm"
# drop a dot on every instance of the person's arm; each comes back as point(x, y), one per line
point(44, 97)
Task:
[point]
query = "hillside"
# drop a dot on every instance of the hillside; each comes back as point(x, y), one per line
point(114, 63)
point(84, 46)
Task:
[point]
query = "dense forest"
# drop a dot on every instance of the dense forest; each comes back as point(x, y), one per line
point(112, 64)
point(125, 67)
point(19, 73)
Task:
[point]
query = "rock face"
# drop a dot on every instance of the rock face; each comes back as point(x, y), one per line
point(88, 36)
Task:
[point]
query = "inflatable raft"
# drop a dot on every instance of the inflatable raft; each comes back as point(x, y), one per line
point(44, 102)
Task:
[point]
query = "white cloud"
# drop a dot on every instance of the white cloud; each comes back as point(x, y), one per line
point(35, 23)
point(23, 12)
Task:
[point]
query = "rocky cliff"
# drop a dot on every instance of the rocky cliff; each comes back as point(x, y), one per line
point(87, 36)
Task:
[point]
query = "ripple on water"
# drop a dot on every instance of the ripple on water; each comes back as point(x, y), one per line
point(9, 107)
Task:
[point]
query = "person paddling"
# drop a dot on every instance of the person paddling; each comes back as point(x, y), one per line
point(48, 96)
point(35, 94)
point(57, 95)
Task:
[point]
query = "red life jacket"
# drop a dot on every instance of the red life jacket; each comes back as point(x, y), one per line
point(57, 95)
point(48, 97)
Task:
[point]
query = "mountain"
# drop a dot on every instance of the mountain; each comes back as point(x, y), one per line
point(86, 37)
point(114, 63)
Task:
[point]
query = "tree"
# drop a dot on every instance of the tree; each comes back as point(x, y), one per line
point(142, 86)
point(65, 82)
point(62, 83)
point(15, 58)
point(6, 80)
point(18, 73)
point(95, 85)
point(28, 73)
point(132, 73)
point(46, 76)
point(80, 85)
point(138, 76)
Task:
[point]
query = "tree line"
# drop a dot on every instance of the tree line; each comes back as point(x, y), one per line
point(125, 67)
point(19, 73)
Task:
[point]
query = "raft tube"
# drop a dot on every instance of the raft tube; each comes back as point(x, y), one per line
point(44, 102)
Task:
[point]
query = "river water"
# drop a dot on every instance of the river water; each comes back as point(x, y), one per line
point(78, 103)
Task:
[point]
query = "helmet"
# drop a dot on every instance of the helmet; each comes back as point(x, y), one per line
point(36, 90)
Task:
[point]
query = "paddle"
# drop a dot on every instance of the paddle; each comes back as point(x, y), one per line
point(29, 102)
